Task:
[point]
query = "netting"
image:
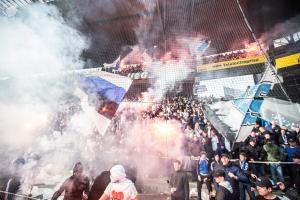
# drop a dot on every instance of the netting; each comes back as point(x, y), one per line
point(139, 82)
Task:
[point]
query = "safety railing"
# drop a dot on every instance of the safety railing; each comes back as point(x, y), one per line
point(11, 196)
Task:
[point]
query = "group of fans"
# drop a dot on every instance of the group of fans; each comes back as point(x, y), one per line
point(265, 166)
point(235, 171)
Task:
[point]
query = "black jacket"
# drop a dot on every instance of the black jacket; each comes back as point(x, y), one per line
point(179, 180)
point(254, 152)
point(99, 186)
point(223, 194)
point(233, 182)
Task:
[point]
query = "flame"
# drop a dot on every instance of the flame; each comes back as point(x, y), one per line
point(104, 109)
point(165, 131)
point(135, 58)
point(168, 57)
point(252, 49)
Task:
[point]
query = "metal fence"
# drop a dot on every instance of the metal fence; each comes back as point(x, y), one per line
point(11, 196)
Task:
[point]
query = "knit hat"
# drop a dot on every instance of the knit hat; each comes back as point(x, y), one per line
point(117, 173)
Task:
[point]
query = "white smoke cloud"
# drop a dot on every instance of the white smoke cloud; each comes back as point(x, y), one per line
point(166, 76)
point(37, 46)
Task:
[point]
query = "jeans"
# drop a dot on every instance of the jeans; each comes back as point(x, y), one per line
point(276, 171)
point(246, 187)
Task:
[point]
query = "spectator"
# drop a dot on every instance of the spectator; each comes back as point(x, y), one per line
point(264, 188)
point(246, 168)
point(297, 170)
point(13, 185)
point(282, 139)
point(203, 174)
point(206, 143)
point(291, 149)
point(214, 140)
point(119, 188)
point(224, 191)
point(273, 154)
point(254, 154)
point(275, 131)
point(195, 146)
point(296, 132)
point(252, 136)
point(216, 164)
point(99, 186)
point(75, 187)
point(222, 149)
point(289, 134)
point(263, 131)
point(233, 175)
point(179, 183)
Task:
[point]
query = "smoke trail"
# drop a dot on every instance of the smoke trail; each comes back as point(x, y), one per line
point(36, 47)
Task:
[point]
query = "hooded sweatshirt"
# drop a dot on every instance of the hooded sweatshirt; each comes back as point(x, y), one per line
point(120, 188)
point(224, 191)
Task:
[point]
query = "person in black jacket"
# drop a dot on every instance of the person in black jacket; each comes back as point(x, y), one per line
point(243, 164)
point(264, 188)
point(222, 149)
point(254, 154)
point(99, 185)
point(179, 183)
point(233, 175)
point(252, 136)
point(297, 169)
point(224, 191)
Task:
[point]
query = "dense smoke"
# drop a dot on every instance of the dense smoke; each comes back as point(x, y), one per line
point(279, 30)
point(36, 48)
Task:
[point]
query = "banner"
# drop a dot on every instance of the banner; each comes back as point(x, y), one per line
point(231, 64)
point(288, 61)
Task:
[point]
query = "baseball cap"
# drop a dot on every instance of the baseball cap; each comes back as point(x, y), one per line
point(263, 182)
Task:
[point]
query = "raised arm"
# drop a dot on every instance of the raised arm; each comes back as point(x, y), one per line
point(59, 191)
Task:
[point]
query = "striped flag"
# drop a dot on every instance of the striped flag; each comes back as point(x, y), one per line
point(103, 94)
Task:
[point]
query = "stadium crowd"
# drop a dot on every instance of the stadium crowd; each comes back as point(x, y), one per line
point(236, 169)
point(228, 173)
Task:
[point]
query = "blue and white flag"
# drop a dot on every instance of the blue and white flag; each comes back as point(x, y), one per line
point(103, 93)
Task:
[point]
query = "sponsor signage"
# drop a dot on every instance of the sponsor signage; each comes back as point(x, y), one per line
point(288, 61)
point(231, 64)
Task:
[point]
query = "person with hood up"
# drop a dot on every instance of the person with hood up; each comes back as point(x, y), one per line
point(119, 188)
point(224, 191)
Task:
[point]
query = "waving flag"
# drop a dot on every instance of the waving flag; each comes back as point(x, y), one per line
point(103, 94)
